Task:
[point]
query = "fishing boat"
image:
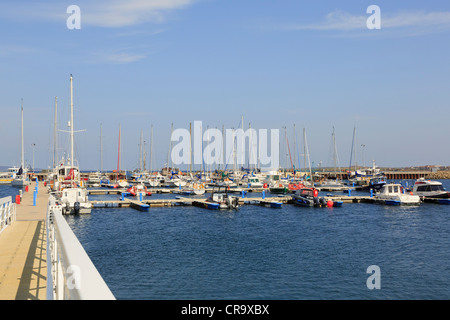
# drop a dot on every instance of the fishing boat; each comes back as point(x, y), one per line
point(308, 197)
point(394, 194)
point(221, 198)
point(430, 189)
point(70, 194)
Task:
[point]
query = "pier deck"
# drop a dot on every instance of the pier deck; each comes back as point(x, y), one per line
point(23, 260)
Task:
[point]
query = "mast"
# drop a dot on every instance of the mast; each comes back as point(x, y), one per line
point(71, 123)
point(55, 135)
point(190, 147)
point(118, 158)
point(22, 160)
point(306, 154)
point(140, 151)
point(169, 160)
point(101, 148)
point(151, 150)
point(295, 150)
point(353, 151)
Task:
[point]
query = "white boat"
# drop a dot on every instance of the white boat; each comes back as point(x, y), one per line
point(155, 181)
point(223, 200)
point(174, 181)
point(21, 179)
point(198, 188)
point(139, 189)
point(5, 178)
point(94, 179)
point(74, 201)
point(430, 189)
point(394, 194)
point(252, 182)
point(70, 194)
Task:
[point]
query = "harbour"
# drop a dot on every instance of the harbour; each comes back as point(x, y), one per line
point(207, 151)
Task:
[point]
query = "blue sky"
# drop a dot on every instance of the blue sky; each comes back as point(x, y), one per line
point(314, 64)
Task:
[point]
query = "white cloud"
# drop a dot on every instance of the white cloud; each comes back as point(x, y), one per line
point(101, 13)
point(123, 57)
point(343, 21)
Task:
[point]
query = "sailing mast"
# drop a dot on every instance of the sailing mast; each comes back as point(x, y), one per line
point(353, 151)
point(118, 158)
point(101, 148)
point(151, 151)
point(55, 136)
point(335, 156)
point(71, 128)
point(306, 154)
point(22, 160)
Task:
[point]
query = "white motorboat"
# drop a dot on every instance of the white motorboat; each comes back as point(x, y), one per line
point(430, 189)
point(252, 182)
point(223, 200)
point(74, 201)
point(94, 179)
point(394, 194)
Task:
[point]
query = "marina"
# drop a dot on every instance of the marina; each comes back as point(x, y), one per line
point(207, 151)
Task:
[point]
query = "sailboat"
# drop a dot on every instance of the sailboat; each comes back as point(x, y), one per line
point(71, 196)
point(335, 183)
point(21, 178)
point(120, 182)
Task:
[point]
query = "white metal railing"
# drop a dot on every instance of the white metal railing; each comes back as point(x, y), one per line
point(7, 212)
point(71, 275)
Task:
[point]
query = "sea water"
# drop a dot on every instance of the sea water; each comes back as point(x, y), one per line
point(263, 253)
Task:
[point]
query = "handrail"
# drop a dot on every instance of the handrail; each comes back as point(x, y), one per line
point(7, 212)
point(71, 275)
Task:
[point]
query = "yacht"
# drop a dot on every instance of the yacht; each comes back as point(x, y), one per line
point(429, 189)
point(21, 179)
point(394, 194)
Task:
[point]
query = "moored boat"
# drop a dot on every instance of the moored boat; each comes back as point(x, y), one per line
point(308, 197)
point(430, 189)
point(394, 194)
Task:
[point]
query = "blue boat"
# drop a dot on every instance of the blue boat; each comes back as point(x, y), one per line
point(337, 203)
point(392, 202)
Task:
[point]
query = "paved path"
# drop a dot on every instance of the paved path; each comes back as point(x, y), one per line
point(23, 265)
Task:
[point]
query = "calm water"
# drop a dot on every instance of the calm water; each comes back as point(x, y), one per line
point(262, 253)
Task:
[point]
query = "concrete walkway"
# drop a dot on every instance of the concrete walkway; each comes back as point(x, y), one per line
point(23, 265)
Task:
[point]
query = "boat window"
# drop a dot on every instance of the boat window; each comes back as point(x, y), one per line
point(390, 189)
point(395, 189)
point(437, 188)
point(421, 188)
